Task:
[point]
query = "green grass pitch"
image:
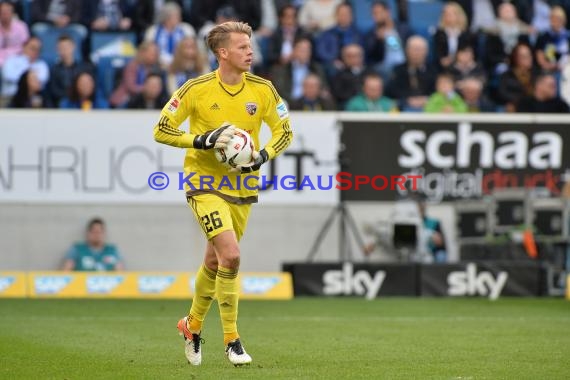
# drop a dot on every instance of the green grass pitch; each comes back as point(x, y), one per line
point(307, 338)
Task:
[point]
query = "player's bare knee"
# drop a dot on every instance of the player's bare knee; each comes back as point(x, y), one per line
point(231, 259)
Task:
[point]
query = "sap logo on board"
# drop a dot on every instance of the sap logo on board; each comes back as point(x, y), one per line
point(258, 285)
point(503, 150)
point(6, 282)
point(103, 284)
point(471, 283)
point(348, 282)
point(154, 284)
point(51, 284)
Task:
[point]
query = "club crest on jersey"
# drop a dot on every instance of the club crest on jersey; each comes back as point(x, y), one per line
point(251, 108)
point(173, 105)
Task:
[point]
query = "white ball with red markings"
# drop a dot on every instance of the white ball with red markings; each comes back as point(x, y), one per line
point(238, 151)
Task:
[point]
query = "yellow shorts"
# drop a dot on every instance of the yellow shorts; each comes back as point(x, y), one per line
point(215, 215)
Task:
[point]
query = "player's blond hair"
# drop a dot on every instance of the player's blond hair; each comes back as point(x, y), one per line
point(220, 35)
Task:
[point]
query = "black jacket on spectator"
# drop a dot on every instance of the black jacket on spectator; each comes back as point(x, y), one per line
point(91, 7)
point(138, 102)
point(346, 84)
point(203, 10)
point(441, 46)
point(321, 104)
point(510, 89)
point(495, 50)
point(533, 105)
point(276, 42)
point(375, 48)
point(401, 88)
point(61, 78)
point(282, 78)
point(40, 9)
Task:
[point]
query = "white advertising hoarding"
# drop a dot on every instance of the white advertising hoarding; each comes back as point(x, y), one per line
point(108, 156)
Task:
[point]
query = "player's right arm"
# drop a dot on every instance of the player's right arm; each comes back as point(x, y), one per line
point(178, 109)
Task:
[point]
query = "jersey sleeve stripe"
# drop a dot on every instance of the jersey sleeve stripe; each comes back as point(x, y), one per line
point(163, 126)
point(279, 147)
point(285, 137)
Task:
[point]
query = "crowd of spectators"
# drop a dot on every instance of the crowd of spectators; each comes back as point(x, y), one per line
point(478, 56)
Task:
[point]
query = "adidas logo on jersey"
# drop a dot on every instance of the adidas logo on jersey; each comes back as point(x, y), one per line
point(215, 107)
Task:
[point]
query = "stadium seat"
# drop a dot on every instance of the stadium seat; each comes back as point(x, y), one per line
point(423, 16)
point(49, 42)
point(363, 16)
point(108, 69)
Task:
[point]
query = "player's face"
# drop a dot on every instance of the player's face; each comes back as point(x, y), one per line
point(239, 53)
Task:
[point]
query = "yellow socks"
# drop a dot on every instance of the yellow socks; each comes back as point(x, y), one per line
point(203, 297)
point(227, 292)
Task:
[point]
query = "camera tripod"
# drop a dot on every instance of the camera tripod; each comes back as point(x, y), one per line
point(346, 224)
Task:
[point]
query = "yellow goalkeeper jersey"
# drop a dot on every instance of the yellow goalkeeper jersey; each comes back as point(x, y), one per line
point(207, 103)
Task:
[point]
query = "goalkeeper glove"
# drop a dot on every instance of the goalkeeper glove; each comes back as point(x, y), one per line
point(216, 138)
point(258, 159)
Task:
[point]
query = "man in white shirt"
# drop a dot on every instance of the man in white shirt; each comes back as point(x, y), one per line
point(16, 65)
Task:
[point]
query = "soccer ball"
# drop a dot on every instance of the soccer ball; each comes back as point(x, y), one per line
point(238, 151)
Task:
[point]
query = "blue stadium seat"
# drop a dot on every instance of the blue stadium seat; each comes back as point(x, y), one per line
point(49, 42)
point(423, 16)
point(363, 16)
point(108, 69)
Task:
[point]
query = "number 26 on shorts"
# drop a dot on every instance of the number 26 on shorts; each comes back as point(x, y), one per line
point(212, 221)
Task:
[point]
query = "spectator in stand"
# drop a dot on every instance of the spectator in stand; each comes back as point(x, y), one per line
point(318, 15)
point(313, 98)
point(13, 32)
point(134, 74)
point(288, 78)
point(445, 99)
point(63, 72)
point(553, 47)
point(204, 11)
point(481, 14)
point(29, 90)
point(83, 95)
point(94, 254)
point(451, 35)
point(268, 19)
point(329, 44)
point(64, 15)
point(384, 43)
point(189, 62)
point(537, 12)
point(16, 65)
point(152, 96)
point(413, 81)
point(517, 81)
point(107, 15)
point(348, 82)
point(169, 32)
point(503, 37)
point(545, 98)
point(471, 90)
point(146, 13)
point(280, 45)
point(372, 98)
point(465, 65)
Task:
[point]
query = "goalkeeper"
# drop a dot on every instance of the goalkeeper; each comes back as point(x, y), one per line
point(229, 93)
